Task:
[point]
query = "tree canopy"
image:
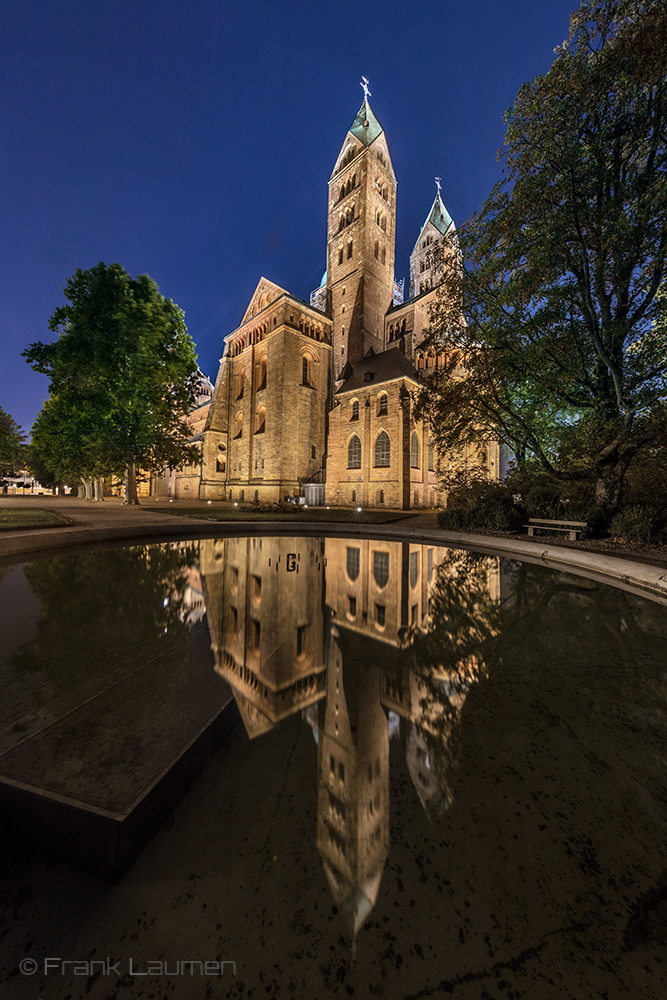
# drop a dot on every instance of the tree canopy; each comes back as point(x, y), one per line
point(122, 374)
point(555, 297)
point(12, 444)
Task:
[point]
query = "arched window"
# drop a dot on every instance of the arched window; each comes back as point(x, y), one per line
point(414, 451)
point(239, 385)
point(353, 563)
point(384, 255)
point(349, 250)
point(260, 420)
point(383, 404)
point(239, 425)
point(430, 455)
point(355, 410)
point(305, 370)
point(381, 568)
point(354, 453)
point(382, 450)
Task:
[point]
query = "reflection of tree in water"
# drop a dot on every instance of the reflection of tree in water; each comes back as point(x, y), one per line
point(105, 613)
point(450, 651)
point(573, 641)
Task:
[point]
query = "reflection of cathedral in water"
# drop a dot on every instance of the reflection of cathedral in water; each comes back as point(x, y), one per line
point(325, 627)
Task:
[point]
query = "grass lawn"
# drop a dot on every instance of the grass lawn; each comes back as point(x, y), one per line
point(214, 513)
point(10, 520)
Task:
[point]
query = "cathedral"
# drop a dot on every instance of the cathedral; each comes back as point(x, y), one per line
point(316, 396)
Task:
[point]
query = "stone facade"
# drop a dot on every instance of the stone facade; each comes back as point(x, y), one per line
point(323, 392)
point(266, 432)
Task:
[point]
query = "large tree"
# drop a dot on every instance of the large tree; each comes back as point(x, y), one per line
point(554, 298)
point(122, 374)
point(12, 444)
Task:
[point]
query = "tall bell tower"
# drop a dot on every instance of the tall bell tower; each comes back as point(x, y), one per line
point(361, 239)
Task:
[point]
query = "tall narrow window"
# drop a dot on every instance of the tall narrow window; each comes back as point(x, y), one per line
point(239, 425)
point(349, 250)
point(384, 255)
point(383, 404)
point(382, 450)
point(354, 453)
point(377, 249)
point(340, 256)
point(414, 568)
point(353, 563)
point(260, 420)
point(305, 370)
point(430, 455)
point(414, 451)
point(355, 410)
point(381, 568)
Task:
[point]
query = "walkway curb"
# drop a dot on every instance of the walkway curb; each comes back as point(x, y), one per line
point(636, 577)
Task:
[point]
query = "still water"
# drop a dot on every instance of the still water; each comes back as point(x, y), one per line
point(448, 777)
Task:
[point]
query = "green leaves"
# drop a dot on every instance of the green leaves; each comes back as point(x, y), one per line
point(120, 376)
point(12, 444)
point(564, 265)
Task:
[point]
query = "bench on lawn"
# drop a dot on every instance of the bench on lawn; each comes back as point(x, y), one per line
point(573, 527)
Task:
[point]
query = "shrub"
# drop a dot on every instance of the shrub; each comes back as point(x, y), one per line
point(640, 523)
point(482, 505)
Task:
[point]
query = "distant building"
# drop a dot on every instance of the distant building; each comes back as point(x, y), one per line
point(182, 483)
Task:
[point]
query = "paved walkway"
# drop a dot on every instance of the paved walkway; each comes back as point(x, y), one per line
point(641, 571)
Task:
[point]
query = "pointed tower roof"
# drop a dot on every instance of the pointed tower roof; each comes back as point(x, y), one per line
point(439, 216)
point(365, 126)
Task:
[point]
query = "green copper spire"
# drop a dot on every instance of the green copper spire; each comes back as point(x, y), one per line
point(439, 215)
point(365, 126)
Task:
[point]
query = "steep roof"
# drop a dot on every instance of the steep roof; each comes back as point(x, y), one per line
point(379, 368)
point(365, 126)
point(438, 217)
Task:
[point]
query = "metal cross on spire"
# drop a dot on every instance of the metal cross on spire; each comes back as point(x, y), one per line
point(437, 183)
point(364, 86)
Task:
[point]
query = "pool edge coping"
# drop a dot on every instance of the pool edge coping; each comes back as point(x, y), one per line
point(630, 574)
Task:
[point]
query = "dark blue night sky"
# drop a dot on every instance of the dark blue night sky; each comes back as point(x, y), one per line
point(193, 141)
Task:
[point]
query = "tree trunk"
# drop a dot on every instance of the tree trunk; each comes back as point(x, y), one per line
point(98, 491)
point(609, 483)
point(87, 488)
point(131, 497)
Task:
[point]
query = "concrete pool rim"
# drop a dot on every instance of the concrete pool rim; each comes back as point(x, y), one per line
point(634, 576)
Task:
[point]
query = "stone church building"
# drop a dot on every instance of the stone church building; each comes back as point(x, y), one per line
point(321, 392)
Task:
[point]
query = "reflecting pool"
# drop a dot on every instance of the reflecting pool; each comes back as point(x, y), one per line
point(448, 776)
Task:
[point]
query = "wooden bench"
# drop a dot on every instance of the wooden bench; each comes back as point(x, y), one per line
point(573, 527)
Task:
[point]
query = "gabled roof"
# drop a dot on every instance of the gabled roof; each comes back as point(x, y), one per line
point(365, 126)
point(380, 368)
point(266, 291)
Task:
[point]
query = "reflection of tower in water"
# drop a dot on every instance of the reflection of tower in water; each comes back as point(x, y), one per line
point(353, 786)
point(266, 611)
